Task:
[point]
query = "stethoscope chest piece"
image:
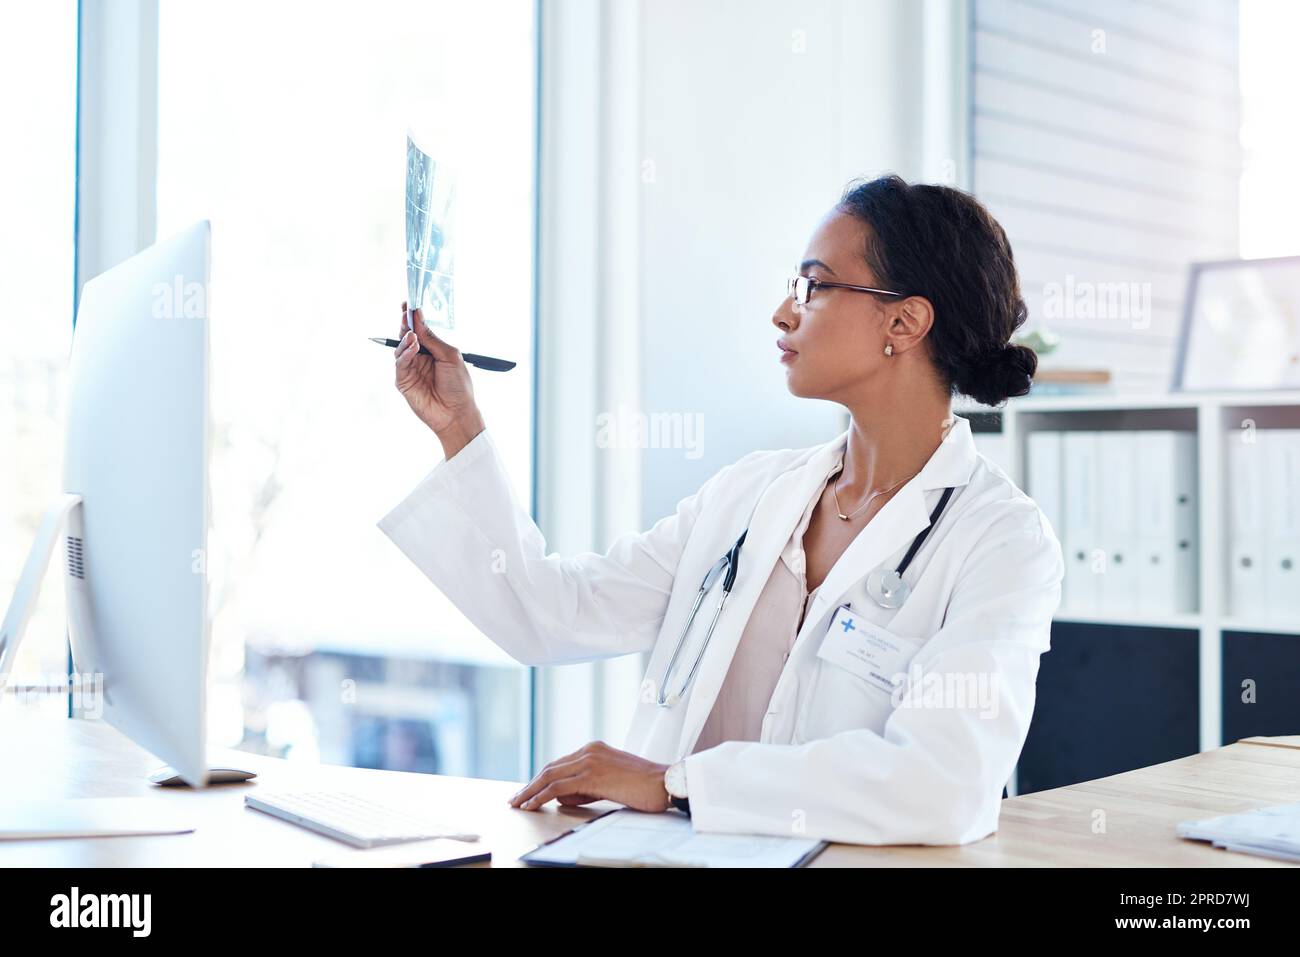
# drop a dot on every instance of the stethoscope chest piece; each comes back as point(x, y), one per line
point(887, 588)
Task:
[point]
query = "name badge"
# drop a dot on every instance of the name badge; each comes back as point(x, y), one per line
point(866, 650)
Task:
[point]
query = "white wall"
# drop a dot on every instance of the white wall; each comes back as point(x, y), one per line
point(754, 116)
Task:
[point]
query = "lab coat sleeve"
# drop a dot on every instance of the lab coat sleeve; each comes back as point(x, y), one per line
point(465, 529)
point(936, 774)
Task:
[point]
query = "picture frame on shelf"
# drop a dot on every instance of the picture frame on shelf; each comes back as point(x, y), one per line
point(1241, 326)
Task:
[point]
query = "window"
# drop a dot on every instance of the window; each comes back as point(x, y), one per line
point(1270, 138)
point(38, 111)
point(286, 128)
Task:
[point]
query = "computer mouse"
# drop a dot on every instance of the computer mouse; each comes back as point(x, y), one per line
point(169, 778)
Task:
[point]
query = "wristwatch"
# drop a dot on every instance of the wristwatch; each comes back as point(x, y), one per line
point(675, 785)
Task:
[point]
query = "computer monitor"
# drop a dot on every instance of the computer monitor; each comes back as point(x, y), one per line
point(136, 503)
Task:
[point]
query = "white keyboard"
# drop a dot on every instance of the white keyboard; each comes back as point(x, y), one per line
point(356, 820)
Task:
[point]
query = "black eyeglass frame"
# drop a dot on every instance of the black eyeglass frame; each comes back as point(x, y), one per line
point(810, 285)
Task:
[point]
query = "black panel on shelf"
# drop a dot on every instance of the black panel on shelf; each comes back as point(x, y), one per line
point(983, 420)
point(1272, 663)
point(1111, 698)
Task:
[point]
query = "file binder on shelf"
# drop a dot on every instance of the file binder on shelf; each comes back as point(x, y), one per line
point(1043, 476)
point(1118, 489)
point(1245, 520)
point(1128, 503)
point(1281, 515)
point(1083, 555)
point(1167, 526)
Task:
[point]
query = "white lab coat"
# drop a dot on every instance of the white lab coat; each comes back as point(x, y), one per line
point(837, 759)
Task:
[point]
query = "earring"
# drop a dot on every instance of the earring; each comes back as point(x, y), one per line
point(889, 349)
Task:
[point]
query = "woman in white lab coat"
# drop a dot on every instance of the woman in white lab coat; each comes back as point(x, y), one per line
point(813, 709)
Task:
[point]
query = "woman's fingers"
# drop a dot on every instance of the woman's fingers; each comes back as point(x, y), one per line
point(576, 800)
point(406, 321)
point(408, 346)
point(413, 321)
point(554, 790)
point(408, 365)
point(564, 767)
point(442, 351)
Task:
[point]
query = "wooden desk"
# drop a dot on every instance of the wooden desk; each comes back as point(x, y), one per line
point(1142, 808)
point(57, 758)
point(62, 758)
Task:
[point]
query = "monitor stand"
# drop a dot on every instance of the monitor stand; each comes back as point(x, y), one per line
point(28, 588)
point(63, 511)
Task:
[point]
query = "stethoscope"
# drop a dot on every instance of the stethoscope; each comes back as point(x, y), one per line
point(884, 586)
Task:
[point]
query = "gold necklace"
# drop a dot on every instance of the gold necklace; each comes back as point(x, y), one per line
point(870, 498)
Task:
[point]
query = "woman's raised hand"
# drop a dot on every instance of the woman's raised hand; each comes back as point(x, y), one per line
point(436, 386)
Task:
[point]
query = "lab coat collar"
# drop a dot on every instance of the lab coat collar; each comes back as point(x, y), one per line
point(779, 510)
point(953, 461)
point(902, 517)
point(950, 465)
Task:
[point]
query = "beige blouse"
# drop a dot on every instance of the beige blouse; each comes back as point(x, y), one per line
point(765, 643)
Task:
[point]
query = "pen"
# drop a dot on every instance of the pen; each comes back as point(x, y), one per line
point(483, 362)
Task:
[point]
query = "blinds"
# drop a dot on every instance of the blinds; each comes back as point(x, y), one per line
point(1105, 140)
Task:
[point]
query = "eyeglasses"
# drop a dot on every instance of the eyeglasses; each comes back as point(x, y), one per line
point(801, 288)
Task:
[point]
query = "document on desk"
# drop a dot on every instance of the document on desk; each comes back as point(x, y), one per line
point(1266, 832)
point(627, 838)
point(90, 817)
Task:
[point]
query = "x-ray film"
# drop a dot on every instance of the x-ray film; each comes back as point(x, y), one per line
point(430, 208)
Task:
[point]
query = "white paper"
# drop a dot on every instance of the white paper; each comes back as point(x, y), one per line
point(1266, 831)
point(89, 817)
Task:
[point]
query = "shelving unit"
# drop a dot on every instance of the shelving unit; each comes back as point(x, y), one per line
point(1211, 417)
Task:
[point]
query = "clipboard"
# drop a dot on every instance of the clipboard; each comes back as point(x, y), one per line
point(626, 838)
point(536, 858)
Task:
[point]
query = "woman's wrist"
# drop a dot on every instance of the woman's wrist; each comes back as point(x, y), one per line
point(460, 433)
point(659, 786)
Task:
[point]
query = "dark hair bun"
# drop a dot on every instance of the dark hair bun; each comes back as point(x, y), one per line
point(993, 379)
point(941, 243)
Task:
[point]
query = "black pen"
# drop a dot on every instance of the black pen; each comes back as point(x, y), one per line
point(483, 362)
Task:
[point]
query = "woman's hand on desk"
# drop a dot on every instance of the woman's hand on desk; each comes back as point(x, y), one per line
point(437, 387)
point(597, 772)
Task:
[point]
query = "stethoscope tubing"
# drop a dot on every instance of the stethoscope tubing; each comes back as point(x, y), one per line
point(920, 539)
point(731, 562)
